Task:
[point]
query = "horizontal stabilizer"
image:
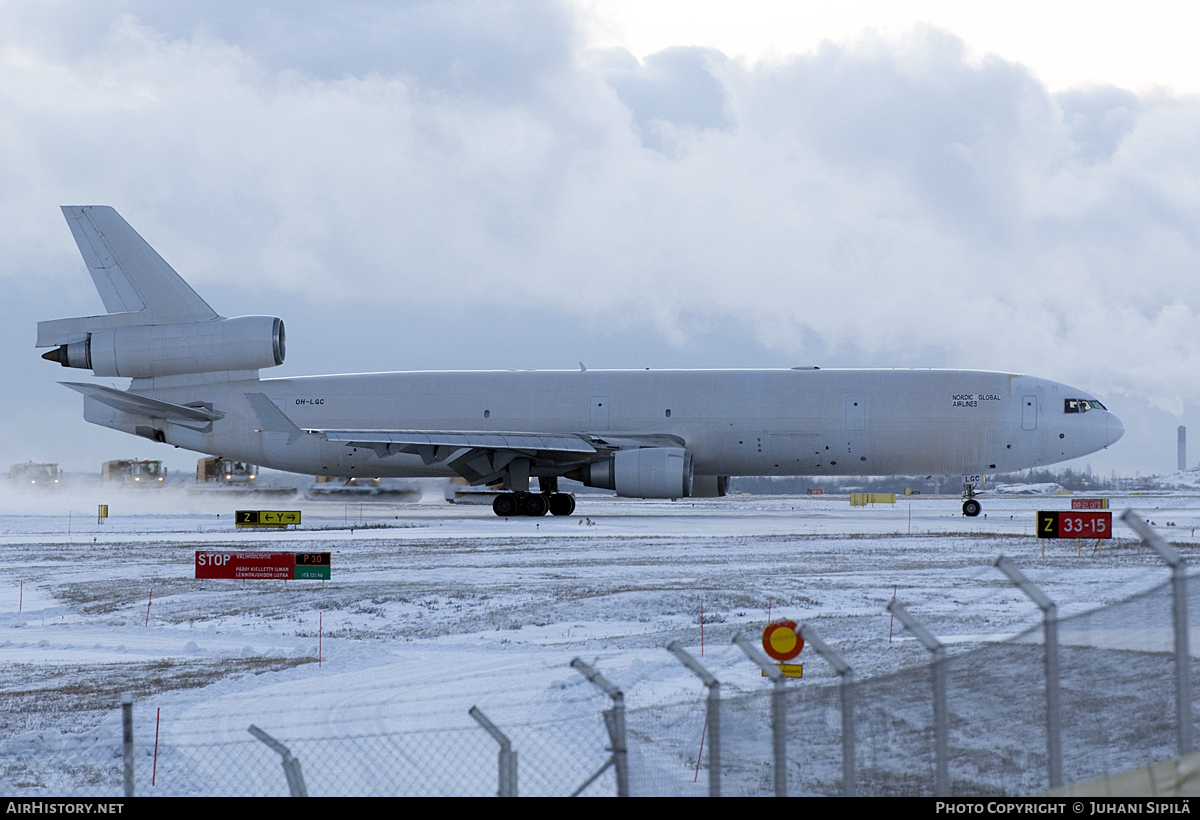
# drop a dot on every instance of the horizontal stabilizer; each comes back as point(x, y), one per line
point(76, 329)
point(143, 405)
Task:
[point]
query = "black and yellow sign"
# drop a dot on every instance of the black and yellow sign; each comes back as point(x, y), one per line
point(268, 519)
point(789, 670)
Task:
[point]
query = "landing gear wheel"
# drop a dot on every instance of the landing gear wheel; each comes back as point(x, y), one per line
point(505, 505)
point(562, 504)
point(971, 508)
point(536, 504)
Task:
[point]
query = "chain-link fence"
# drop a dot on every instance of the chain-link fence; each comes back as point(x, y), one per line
point(1117, 701)
point(1117, 711)
point(458, 762)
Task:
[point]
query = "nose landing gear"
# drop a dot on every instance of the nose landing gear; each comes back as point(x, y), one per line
point(971, 507)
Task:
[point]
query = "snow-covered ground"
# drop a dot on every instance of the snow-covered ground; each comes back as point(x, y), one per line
point(435, 608)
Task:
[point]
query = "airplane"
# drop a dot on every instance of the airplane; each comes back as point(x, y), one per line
point(640, 433)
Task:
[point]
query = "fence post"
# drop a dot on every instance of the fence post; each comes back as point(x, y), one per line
point(847, 678)
point(1050, 624)
point(940, 718)
point(291, 766)
point(778, 710)
point(614, 722)
point(1183, 681)
point(508, 758)
point(713, 716)
point(127, 733)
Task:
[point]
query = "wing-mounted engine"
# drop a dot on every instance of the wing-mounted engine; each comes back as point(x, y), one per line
point(152, 350)
point(646, 472)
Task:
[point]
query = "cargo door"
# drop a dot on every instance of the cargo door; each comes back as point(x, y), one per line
point(857, 444)
point(1029, 413)
point(856, 414)
point(598, 419)
point(794, 453)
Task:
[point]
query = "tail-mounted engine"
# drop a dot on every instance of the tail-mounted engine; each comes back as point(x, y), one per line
point(148, 351)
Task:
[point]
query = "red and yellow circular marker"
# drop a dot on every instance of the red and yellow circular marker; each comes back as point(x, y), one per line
point(781, 640)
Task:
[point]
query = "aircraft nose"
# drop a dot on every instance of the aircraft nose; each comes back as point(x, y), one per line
point(1115, 430)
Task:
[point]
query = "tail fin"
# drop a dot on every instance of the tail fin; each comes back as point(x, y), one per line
point(136, 285)
point(156, 326)
point(129, 274)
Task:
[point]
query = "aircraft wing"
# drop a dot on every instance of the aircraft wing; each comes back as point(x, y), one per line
point(482, 457)
point(478, 456)
point(385, 442)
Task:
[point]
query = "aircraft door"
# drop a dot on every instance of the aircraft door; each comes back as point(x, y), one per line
point(855, 434)
point(856, 413)
point(794, 453)
point(338, 459)
point(1029, 413)
point(599, 416)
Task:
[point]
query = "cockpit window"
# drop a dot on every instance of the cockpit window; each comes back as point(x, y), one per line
point(1081, 405)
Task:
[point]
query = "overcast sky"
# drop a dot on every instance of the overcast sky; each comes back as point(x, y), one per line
point(513, 185)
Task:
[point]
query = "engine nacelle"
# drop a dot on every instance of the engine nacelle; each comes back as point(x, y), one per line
point(710, 486)
point(649, 472)
point(147, 351)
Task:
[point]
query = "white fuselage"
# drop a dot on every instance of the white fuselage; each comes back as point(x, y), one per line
point(734, 422)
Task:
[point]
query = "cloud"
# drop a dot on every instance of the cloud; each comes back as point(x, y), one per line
point(673, 89)
point(466, 47)
point(1099, 119)
point(467, 171)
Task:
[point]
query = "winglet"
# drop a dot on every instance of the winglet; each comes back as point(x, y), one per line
point(272, 419)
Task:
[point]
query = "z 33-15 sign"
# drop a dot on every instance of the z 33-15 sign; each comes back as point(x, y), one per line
point(1074, 524)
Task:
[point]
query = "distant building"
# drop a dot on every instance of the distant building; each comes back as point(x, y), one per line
point(1182, 448)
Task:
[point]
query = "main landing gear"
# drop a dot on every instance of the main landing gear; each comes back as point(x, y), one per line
point(533, 504)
